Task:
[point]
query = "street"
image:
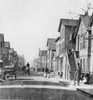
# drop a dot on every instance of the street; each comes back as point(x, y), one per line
point(46, 49)
point(41, 94)
point(38, 88)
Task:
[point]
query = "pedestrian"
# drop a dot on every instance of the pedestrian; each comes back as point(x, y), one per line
point(87, 78)
point(61, 74)
point(48, 73)
point(28, 68)
point(77, 75)
point(45, 73)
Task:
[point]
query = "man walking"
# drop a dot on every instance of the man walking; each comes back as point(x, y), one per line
point(77, 75)
point(28, 68)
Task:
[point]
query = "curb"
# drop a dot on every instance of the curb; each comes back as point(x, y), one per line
point(84, 92)
point(37, 86)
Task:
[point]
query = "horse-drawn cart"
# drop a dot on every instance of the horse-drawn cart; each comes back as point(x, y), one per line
point(8, 71)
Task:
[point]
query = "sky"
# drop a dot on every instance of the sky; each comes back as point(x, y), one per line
point(27, 24)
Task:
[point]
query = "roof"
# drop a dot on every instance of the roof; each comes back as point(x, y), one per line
point(51, 43)
point(7, 44)
point(85, 19)
point(1, 37)
point(42, 52)
point(91, 20)
point(57, 39)
point(11, 50)
point(67, 22)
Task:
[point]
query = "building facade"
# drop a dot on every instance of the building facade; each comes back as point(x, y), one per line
point(82, 43)
point(66, 28)
point(51, 49)
point(5, 53)
point(58, 48)
point(90, 39)
point(43, 59)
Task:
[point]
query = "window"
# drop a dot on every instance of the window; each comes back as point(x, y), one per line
point(83, 41)
point(84, 65)
point(81, 46)
point(81, 63)
point(61, 63)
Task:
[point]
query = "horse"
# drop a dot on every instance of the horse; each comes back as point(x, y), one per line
point(25, 69)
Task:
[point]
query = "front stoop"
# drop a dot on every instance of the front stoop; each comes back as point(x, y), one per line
point(88, 92)
point(91, 79)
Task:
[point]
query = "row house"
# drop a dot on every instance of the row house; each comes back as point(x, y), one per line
point(43, 59)
point(66, 62)
point(73, 46)
point(11, 56)
point(7, 57)
point(21, 61)
point(90, 39)
point(77, 47)
point(51, 50)
point(58, 50)
point(82, 43)
point(15, 58)
point(5, 53)
point(1, 44)
point(88, 68)
point(54, 61)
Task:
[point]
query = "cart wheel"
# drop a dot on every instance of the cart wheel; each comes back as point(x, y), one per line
point(15, 77)
point(7, 78)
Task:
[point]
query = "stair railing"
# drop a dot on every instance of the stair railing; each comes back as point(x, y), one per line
point(76, 62)
point(68, 60)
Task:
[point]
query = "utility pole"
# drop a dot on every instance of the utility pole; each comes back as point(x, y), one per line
point(90, 37)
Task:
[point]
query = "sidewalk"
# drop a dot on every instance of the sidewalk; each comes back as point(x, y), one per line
point(88, 92)
point(88, 89)
point(84, 88)
point(51, 79)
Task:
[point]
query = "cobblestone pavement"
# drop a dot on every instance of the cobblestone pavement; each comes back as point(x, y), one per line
point(41, 94)
point(39, 88)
